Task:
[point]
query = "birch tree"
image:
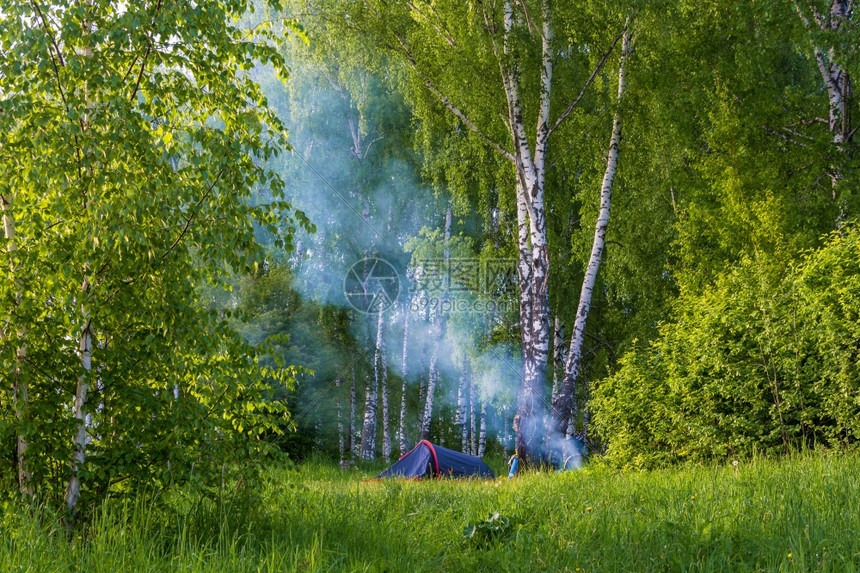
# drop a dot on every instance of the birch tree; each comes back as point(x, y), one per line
point(830, 38)
point(461, 418)
point(438, 331)
point(20, 386)
point(383, 385)
point(511, 49)
point(351, 437)
point(482, 437)
point(432, 378)
point(368, 428)
point(341, 449)
point(132, 143)
point(563, 404)
point(473, 426)
point(402, 438)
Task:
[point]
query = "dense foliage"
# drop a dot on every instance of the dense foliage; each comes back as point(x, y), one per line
point(765, 359)
point(738, 159)
point(163, 261)
point(133, 143)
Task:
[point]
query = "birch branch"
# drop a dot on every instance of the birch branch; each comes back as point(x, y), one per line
point(588, 83)
point(457, 112)
point(439, 28)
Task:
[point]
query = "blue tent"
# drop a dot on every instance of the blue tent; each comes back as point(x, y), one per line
point(427, 460)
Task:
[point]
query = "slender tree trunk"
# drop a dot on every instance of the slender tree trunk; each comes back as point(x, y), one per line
point(557, 356)
point(20, 390)
point(482, 438)
point(462, 417)
point(340, 441)
point(85, 351)
point(383, 367)
point(838, 84)
point(505, 433)
point(382, 374)
point(368, 430)
point(459, 413)
point(431, 385)
point(422, 398)
point(533, 267)
point(439, 332)
point(404, 369)
point(473, 438)
point(564, 403)
point(558, 375)
point(85, 347)
point(426, 331)
point(22, 400)
point(352, 442)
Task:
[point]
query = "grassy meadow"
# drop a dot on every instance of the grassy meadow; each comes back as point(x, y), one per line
point(798, 514)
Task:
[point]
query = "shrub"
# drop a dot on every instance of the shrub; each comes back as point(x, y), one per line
point(765, 359)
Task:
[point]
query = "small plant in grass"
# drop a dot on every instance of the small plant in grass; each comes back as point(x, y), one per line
point(494, 528)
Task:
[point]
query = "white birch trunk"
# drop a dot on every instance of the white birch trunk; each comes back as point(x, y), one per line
point(431, 386)
point(533, 267)
point(422, 398)
point(439, 333)
point(461, 419)
point(404, 368)
point(351, 438)
point(482, 437)
point(458, 413)
point(20, 393)
point(368, 430)
point(505, 433)
point(85, 347)
point(441, 430)
point(838, 85)
point(564, 403)
point(557, 356)
point(427, 326)
point(340, 441)
point(85, 352)
point(473, 438)
point(382, 374)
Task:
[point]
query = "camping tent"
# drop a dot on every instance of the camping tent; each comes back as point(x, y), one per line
point(427, 460)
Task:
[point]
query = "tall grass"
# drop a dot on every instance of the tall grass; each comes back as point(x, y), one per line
point(800, 514)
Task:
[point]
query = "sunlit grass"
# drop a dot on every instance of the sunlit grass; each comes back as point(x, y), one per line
point(800, 514)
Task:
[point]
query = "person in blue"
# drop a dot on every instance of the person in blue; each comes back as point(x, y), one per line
point(513, 463)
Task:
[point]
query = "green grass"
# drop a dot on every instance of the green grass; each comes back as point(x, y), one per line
point(800, 514)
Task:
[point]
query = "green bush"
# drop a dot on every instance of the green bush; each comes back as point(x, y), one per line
point(766, 359)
